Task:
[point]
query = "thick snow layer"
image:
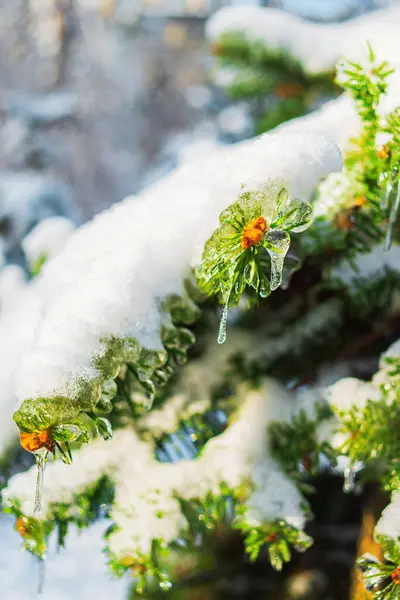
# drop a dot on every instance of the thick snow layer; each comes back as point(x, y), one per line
point(349, 392)
point(318, 47)
point(389, 523)
point(145, 505)
point(17, 326)
point(47, 238)
point(114, 271)
point(20, 312)
point(12, 283)
point(239, 454)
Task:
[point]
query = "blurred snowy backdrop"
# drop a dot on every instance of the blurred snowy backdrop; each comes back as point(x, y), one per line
point(99, 98)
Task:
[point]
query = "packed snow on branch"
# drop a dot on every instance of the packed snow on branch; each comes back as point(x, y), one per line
point(351, 394)
point(318, 47)
point(146, 505)
point(20, 313)
point(17, 316)
point(47, 239)
point(389, 523)
point(110, 280)
point(350, 391)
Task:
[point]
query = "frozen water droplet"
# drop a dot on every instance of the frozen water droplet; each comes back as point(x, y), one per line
point(40, 464)
point(349, 480)
point(222, 325)
point(386, 196)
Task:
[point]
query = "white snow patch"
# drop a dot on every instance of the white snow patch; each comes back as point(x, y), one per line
point(47, 238)
point(317, 46)
point(145, 505)
point(114, 271)
point(389, 523)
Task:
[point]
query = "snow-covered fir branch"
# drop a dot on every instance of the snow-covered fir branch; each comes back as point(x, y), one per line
point(317, 47)
point(19, 314)
point(368, 415)
point(107, 307)
point(149, 498)
point(112, 295)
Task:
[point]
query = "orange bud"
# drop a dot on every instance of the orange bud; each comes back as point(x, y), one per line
point(32, 442)
point(271, 538)
point(22, 526)
point(253, 232)
point(127, 561)
point(360, 201)
point(396, 576)
point(383, 152)
point(131, 563)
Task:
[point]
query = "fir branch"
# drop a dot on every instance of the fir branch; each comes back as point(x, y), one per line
point(65, 419)
point(83, 510)
point(374, 168)
point(269, 68)
point(382, 578)
point(297, 445)
point(371, 432)
point(276, 538)
point(254, 231)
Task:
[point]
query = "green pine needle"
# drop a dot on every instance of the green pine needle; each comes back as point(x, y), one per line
point(248, 250)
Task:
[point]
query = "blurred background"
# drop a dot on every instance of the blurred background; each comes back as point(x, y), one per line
point(98, 99)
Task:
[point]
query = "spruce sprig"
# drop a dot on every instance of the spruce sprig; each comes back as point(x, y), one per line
point(373, 168)
point(382, 579)
point(248, 250)
point(372, 432)
point(297, 445)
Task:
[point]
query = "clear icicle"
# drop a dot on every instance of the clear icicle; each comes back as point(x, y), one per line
point(349, 480)
point(40, 463)
point(222, 325)
point(393, 212)
point(388, 192)
point(42, 574)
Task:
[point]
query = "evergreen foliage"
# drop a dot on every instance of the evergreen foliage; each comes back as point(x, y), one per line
point(247, 256)
point(260, 72)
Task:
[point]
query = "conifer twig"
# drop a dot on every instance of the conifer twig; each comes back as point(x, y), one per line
point(376, 502)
